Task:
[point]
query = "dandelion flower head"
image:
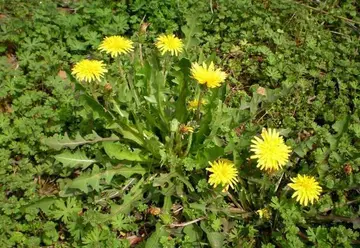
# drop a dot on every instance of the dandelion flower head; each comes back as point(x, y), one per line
point(169, 43)
point(193, 104)
point(223, 172)
point(307, 189)
point(264, 213)
point(270, 151)
point(208, 75)
point(185, 129)
point(89, 70)
point(116, 45)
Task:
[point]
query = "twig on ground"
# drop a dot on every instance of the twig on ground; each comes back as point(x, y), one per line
point(174, 225)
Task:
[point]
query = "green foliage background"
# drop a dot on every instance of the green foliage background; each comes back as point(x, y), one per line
point(304, 53)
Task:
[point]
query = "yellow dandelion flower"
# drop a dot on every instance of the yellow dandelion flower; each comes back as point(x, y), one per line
point(193, 104)
point(169, 43)
point(89, 70)
point(116, 45)
point(264, 213)
point(270, 151)
point(223, 172)
point(307, 189)
point(208, 75)
point(185, 129)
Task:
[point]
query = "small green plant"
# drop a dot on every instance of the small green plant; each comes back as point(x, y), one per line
point(160, 113)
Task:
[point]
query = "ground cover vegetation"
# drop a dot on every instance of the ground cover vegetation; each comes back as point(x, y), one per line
point(221, 123)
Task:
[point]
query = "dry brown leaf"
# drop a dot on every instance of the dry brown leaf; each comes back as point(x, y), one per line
point(65, 10)
point(62, 74)
point(261, 91)
point(144, 26)
point(11, 59)
point(134, 240)
point(108, 87)
point(5, 107)
point(154, 210)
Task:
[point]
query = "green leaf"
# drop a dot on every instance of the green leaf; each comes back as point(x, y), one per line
point(65, 209)
point(44, 204)
point(3, 48)
point(186, 182)
point(154, 120)
point(198, 206)
point(122, 152)
point(244, 104)
point(194, 232)
point(203, 130)
point(60, 142)
point(183, 78)
point(164, 178)
point(341, 125)
point(96, 108)
point(164, 181)
point(299, 150)
point(329, 182)
point(91, 104)
point(85, 181)
point(167, 204)
point(214, 152)
point(129, 171)
point(221, 118)
point(254, 103)
point(74, 160)
point(206, 120)
point(190, 30)
point(94, 237)
point(158, 83)
point(124, 223)
point(127, 132)
point(96, 177)
point(153, 241)
point(275, 204)
point(135, 194)
point(150, 99)
point(216, 239)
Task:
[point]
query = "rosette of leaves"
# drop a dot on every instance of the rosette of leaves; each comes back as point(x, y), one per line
point(146, 146)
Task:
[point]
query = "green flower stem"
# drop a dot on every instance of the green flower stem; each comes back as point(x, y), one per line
point(93, 92)
point(178, 143)
point(141, 55)
point(158, 95)
point(188, 145)
point(130, 83)
point(199, 104)
point(167, 64)
point(133, 90)
point(160, 102)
